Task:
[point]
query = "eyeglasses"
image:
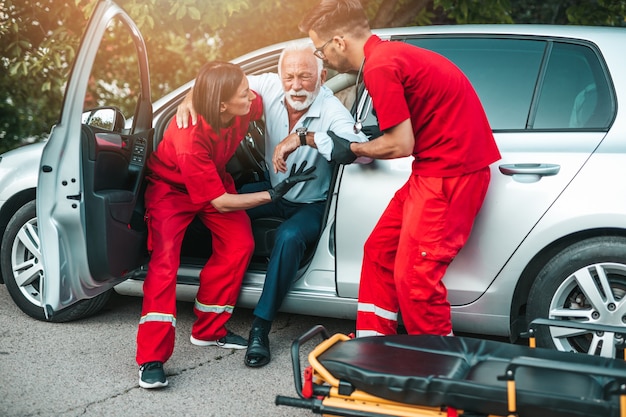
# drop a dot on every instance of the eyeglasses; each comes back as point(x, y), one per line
point(319, 52)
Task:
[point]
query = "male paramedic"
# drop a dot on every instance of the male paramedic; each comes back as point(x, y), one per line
point(426, 108)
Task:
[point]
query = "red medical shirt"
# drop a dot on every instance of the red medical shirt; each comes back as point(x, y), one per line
point(452, 133)
point(194, 159)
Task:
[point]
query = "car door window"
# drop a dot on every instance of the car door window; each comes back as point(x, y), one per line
point(575, 92)
point(504, 73)
point(114, 80)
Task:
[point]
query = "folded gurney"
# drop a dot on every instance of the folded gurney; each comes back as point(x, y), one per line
point(429, 375)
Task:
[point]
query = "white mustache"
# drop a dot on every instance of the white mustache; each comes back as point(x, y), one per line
point(299, 93)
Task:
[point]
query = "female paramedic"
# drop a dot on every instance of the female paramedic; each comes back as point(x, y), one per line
point(187, 178)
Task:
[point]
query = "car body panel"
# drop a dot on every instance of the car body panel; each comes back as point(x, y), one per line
point(485, 253)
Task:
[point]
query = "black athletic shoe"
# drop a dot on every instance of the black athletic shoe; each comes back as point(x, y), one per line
point(151, 375)
point(230, 341)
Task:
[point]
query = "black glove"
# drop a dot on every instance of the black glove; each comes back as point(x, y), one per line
point(294, 177)
point(341, 150)
point(372, 132)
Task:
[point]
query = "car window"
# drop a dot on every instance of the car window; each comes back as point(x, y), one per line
point(575, 92)
point(504, 73)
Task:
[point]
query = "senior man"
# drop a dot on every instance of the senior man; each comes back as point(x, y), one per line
point(299, 112)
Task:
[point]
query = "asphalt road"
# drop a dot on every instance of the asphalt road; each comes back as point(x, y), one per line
point(87, 368)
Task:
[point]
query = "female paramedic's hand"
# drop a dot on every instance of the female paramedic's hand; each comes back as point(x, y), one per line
point(341, 153)
point(294, 177)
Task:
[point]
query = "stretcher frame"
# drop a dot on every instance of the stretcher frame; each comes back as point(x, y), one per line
point(320, 391)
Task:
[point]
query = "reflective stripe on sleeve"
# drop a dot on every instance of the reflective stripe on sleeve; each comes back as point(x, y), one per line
point(207, 308)
point(380, 312)
point(158, 317)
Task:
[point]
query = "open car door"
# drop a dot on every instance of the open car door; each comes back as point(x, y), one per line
point(90, 192)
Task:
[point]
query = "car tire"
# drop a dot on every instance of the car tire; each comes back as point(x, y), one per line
point(20, 254)
point(585, 282)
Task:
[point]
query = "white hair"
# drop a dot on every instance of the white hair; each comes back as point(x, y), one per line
point(300, 46)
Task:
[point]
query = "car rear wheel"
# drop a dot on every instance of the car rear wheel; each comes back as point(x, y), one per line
point(23, 272)
point(586, 282)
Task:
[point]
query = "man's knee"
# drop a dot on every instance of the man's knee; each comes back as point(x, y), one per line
point(288, 235)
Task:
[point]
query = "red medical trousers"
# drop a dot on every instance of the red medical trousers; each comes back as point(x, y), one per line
point(406, 256)
point(168, 213)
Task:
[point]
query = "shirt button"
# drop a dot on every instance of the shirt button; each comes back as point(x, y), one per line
point(424, 253)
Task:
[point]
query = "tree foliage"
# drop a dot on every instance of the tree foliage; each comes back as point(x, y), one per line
point(39, 39)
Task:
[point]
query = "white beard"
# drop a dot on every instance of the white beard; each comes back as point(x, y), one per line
point(300, 105)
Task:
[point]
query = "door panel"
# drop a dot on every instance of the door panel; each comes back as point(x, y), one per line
point(113, 197)
point(89, 193)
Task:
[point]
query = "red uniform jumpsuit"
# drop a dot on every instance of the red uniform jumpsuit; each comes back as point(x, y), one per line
point(186, 172)
point(430, 218)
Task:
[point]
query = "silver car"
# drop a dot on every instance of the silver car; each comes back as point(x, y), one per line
point(550, 240)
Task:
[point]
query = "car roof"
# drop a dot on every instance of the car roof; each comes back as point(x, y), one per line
point(588, 33)
point(566, 31)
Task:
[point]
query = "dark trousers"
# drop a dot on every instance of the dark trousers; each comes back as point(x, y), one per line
point(300, 230)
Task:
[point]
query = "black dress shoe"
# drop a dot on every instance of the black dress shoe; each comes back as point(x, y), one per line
point(258, 353)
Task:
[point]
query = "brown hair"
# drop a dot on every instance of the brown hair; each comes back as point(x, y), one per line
point(332, 16)
point(216, 82)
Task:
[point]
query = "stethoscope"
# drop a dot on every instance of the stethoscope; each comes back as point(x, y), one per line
point(362, 110)
point(365, 103)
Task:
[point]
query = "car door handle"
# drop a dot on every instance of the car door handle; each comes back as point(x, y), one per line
point(543, 170)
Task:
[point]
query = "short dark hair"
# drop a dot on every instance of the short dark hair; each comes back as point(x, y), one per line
point(331, 16)
point(216, 82)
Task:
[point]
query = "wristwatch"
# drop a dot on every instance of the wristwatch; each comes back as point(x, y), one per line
point(301, 132)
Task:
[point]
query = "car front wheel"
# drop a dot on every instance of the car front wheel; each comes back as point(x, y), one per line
point(586, 282)
point(23, 272)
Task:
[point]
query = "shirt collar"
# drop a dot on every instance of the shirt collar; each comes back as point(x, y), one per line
point(370, 44)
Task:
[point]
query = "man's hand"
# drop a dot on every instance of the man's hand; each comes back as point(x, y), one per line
point(283, 150)
point(341, 153)
point(294, 177)
point(184, 110)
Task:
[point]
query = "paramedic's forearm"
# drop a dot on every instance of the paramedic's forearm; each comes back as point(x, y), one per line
point(396, 142)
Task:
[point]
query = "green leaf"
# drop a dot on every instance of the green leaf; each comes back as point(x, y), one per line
point(194, 13)
point(182, 11)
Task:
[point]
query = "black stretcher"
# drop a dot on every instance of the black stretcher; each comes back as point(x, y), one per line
point(425, 375)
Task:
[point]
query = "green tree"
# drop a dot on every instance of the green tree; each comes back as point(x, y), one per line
point(36, 53)
point(39, 39)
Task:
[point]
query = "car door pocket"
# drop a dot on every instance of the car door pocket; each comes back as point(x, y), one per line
point(120, 204)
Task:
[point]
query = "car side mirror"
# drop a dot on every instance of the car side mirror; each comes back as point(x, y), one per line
point(107, 118)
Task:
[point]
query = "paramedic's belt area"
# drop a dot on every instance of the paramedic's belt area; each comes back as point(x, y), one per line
point(424, 375)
